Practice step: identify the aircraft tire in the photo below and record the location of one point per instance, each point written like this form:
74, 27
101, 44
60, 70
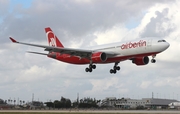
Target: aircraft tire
94, 66
153, 60
111, 71
87, 69
114, 71
118, 68
90, 69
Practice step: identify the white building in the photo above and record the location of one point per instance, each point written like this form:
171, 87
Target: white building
134, 103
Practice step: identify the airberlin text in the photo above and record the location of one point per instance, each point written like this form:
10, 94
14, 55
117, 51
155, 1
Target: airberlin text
128, 45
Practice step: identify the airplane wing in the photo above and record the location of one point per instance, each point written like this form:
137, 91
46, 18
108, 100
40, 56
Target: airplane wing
74, 52
37, 53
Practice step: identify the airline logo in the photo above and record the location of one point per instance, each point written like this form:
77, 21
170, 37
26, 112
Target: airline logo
52, 42
128, 45
51, 39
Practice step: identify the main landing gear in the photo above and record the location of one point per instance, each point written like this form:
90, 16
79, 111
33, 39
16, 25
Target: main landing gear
90, 68
153, 60
115, 68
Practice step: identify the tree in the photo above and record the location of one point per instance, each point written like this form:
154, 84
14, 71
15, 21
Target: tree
49, 104
66, 103
20, 102
63, 103
9, 101
14, 102
88, 103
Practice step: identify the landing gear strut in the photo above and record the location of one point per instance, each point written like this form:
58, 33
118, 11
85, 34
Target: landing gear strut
90, 68
153, 60
115, 68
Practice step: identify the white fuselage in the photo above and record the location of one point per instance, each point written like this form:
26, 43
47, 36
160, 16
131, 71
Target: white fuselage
135, 47
120, 51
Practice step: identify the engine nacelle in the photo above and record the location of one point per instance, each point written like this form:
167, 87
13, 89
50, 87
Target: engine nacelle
98, 57
141, 60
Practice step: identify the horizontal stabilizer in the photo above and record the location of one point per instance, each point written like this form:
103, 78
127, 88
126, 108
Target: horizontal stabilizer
37, 53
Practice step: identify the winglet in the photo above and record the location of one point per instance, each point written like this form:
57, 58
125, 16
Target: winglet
13, 40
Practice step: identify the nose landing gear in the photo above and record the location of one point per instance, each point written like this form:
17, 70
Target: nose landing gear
153, 60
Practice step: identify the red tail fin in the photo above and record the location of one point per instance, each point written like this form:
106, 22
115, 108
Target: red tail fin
52, 39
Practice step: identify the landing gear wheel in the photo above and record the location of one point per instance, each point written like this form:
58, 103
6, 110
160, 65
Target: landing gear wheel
114, 71
94, 66
90, 69
153, 60
117, 68
111, 71
87, 69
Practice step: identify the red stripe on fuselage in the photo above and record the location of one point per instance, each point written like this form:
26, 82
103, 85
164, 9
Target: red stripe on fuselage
77, 60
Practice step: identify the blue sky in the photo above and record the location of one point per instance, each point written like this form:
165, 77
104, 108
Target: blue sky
132, 23
14, 3
25, 3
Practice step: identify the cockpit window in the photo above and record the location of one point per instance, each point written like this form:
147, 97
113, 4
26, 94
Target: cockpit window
161, 40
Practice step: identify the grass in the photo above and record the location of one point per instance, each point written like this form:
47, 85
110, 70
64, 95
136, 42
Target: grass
58, 113
61, 113
88, 112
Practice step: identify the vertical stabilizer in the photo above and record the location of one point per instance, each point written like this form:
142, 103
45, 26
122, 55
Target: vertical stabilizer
52, 39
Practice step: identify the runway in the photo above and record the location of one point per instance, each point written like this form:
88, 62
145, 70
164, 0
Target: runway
98, 111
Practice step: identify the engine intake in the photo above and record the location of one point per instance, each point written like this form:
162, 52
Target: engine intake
98, 57
141, 60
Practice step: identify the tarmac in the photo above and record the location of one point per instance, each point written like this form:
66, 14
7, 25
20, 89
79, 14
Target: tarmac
101, 111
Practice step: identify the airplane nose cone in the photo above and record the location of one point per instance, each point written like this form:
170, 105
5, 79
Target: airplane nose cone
167, 45
162, 46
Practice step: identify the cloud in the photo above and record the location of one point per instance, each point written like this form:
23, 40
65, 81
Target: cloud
108, 86
4, 4
87, 23
116, 33
145, 84
159, 26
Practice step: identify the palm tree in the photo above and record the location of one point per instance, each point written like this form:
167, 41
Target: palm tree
20, 102
9, 101
14, 102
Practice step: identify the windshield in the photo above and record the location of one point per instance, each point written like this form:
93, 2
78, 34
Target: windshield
161, 40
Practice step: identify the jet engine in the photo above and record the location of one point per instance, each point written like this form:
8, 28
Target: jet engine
140, 60
98, 57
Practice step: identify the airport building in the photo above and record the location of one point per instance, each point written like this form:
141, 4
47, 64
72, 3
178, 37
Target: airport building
34, 105
128, 103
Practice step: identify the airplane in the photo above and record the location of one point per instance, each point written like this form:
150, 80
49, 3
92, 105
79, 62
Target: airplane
174, 105
136, 50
